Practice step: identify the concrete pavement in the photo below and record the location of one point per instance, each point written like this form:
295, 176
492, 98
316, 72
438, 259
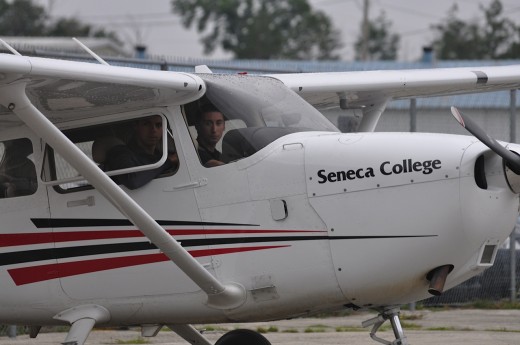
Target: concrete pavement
454, 327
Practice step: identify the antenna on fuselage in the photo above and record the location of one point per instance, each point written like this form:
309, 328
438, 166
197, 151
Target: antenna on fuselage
11, 49
90, 52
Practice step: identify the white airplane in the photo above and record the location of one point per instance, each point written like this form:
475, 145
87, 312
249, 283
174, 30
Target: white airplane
301, 219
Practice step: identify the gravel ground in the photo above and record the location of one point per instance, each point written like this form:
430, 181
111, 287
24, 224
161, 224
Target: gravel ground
454, 327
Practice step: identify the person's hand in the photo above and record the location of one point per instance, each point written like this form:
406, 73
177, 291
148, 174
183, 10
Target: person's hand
174, 159
213, 163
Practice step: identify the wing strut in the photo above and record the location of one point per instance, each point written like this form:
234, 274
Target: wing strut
371, 115
220, 296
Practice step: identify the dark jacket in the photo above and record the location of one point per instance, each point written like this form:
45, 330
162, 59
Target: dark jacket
206, 155
123, 156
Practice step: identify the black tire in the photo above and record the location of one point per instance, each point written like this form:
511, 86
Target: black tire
242, 337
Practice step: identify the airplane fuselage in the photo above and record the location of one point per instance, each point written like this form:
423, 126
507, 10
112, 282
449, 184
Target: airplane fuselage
355, 220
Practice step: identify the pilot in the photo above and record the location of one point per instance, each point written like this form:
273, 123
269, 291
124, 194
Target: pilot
210, 126
144, 148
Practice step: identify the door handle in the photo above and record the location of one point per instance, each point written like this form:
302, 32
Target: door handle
88, 201
192, 184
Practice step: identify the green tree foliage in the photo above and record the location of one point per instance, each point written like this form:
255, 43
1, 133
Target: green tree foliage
68, 27
495, 37
23, 18
71, 27
381, 44
261, 29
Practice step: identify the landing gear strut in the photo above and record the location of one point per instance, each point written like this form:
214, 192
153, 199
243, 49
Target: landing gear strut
391, 314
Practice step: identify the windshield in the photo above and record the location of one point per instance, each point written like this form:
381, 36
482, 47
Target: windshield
257, 111
263, 102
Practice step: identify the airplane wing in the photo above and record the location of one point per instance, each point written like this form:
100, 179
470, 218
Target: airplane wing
372, 90
363, 87
67, 90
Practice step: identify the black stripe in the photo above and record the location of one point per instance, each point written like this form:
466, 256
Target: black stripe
377, 237
80, 223
71, 252
482, 77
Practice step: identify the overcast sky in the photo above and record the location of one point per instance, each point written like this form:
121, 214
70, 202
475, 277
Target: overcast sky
151, 22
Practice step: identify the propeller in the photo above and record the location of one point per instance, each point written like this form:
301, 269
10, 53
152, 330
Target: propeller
511, 159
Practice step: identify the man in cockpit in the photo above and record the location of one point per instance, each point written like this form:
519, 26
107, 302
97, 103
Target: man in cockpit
210, 126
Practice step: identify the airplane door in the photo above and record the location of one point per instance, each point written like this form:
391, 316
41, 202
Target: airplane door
26, 246
98, 244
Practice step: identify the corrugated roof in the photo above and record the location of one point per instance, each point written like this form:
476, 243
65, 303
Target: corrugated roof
289, 66
101, 45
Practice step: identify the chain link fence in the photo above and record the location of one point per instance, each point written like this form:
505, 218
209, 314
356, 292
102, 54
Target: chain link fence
494, 284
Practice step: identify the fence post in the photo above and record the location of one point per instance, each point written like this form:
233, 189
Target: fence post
512, 238
413, 115
11, 331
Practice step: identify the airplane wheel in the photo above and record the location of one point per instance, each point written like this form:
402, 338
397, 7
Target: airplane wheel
242, 337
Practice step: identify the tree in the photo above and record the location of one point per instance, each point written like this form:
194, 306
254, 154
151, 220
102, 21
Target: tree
261, 29
497, 37
68, 27
513, 52
381, 45
71, 27
23, 18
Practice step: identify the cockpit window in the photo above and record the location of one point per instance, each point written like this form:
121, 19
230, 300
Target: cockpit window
265, 108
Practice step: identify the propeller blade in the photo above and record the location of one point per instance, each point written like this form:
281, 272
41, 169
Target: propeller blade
512, 159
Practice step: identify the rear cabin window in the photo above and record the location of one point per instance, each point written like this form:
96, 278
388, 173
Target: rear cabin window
116, 149
17, 169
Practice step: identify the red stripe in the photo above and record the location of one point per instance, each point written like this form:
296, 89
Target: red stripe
34, 274
23, 239
8, 240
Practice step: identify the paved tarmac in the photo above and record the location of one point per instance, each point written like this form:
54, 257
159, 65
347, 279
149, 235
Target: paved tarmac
454, 327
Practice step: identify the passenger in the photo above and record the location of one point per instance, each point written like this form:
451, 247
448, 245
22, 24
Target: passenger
144, 148
210, 126
17, 171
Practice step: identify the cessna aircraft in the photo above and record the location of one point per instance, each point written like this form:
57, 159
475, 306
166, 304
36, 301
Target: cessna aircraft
298, 219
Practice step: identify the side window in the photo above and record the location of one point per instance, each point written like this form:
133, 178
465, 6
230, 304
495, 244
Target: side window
132, 152
17, 170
